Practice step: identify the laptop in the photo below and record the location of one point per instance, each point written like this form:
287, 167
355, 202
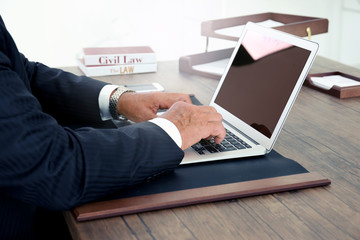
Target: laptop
256, 92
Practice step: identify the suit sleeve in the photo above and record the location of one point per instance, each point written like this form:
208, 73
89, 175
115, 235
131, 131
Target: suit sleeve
65, 96
51, 166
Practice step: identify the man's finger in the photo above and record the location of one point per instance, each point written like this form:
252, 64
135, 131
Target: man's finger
217, 131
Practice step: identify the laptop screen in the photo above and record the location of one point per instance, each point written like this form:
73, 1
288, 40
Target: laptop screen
260, 80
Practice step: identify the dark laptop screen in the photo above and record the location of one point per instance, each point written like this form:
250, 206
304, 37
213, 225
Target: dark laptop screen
260, 80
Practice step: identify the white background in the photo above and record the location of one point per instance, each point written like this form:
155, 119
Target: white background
54, 32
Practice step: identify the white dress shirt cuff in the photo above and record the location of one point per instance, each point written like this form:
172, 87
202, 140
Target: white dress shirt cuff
169, 128
104, 97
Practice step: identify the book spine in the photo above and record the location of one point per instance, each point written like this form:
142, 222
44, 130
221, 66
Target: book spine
117, 69
109, 59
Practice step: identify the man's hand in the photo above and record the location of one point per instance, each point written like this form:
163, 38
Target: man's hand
195, 123
139, 107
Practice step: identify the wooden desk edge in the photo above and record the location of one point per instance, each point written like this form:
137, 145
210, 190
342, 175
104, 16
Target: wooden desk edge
158, 201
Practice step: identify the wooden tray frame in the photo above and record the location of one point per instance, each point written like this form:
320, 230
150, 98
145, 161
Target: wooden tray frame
166, 200
298, 25
339, 92
186, 63
301, 26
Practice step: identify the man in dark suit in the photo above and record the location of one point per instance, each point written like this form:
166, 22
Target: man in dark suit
46, 165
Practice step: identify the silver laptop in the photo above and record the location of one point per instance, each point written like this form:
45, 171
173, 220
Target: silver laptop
256, 92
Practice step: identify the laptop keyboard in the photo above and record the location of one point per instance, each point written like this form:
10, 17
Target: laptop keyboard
230, 143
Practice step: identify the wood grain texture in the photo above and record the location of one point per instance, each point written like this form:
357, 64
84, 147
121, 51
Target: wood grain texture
158, 201
322, 133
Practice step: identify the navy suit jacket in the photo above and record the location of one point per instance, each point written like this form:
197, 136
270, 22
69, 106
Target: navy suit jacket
44, 164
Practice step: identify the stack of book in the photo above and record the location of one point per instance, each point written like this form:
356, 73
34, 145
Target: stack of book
102, 61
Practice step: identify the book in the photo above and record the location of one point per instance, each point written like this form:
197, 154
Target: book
115, 69
118, 55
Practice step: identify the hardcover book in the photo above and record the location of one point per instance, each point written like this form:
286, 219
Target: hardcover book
118, 55
115, 69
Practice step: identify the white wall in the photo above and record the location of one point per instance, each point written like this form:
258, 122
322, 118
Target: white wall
53, 32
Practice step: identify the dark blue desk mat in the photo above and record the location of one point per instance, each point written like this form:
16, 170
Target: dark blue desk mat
216, 173
211, 173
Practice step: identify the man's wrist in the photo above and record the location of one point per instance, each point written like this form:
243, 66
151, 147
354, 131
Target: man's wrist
169, 128
114, 101
104, 101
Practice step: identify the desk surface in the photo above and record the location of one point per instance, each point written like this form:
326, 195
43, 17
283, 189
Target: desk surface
322, 133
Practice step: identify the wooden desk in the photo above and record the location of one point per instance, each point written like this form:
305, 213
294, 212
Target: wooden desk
322, 133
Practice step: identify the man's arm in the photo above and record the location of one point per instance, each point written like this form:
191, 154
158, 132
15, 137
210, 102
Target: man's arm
47, 165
